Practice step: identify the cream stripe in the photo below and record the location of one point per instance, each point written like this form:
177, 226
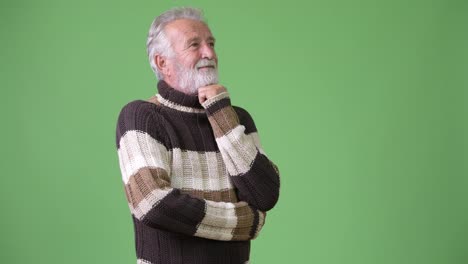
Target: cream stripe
215, 233
190, 169
177, 168
204, 170
201, 171
211, 183
214, 99
220, 214
179, 107
238, 150
138, 150
256, 140
219, 221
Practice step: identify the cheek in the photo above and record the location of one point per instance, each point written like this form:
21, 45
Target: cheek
171, 67
189, 59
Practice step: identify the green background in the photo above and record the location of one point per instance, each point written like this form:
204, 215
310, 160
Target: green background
361, 104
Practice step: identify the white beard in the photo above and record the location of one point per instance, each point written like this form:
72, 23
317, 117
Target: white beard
189, 80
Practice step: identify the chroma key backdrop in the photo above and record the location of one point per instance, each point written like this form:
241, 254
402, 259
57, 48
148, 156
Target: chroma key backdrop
363, 105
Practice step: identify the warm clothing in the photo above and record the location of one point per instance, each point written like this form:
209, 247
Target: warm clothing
196, 178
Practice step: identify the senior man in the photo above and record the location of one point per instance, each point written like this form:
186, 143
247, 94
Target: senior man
196, 178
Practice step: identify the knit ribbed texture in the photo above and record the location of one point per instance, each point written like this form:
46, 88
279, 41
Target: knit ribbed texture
196, 178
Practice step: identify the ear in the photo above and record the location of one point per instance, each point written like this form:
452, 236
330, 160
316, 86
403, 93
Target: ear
161, 64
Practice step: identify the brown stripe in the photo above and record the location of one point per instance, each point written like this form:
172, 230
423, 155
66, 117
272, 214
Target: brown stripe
144, 182
228, 195
245, 219
223, 121
241, 234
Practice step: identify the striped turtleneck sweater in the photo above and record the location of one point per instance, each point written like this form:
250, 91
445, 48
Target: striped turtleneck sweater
196, 178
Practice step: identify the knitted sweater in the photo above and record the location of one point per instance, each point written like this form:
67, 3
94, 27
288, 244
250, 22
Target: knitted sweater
196, 178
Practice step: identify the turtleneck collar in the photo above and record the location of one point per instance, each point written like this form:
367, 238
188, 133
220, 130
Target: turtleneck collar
178, 100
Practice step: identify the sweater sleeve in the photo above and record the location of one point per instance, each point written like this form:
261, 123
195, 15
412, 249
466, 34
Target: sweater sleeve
255, 176
144, 164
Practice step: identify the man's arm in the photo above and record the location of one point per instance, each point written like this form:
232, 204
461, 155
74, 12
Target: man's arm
144, 164
255, 176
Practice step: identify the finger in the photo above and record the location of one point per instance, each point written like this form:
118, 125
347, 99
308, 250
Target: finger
201, 97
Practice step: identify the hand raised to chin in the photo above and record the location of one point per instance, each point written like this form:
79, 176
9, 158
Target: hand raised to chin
206, 92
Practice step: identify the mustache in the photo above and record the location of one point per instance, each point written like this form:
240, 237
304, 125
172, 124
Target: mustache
206, 62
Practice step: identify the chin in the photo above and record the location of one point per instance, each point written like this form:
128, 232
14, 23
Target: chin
191, 91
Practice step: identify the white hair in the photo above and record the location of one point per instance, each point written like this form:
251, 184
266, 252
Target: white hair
157, 42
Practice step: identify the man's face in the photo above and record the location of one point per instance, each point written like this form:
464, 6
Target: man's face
195, 62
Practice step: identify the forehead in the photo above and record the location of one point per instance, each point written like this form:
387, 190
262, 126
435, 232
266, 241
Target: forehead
184, 29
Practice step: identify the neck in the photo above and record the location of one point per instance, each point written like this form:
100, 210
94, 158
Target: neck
170, 97
175, 85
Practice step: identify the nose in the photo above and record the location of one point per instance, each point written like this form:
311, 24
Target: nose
208, 51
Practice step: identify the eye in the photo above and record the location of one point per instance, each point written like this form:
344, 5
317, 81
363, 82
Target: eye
194, 44
212, 44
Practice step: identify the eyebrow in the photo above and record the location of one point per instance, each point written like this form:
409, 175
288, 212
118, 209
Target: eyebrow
211, 38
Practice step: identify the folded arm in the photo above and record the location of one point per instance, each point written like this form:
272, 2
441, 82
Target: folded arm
255, 176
